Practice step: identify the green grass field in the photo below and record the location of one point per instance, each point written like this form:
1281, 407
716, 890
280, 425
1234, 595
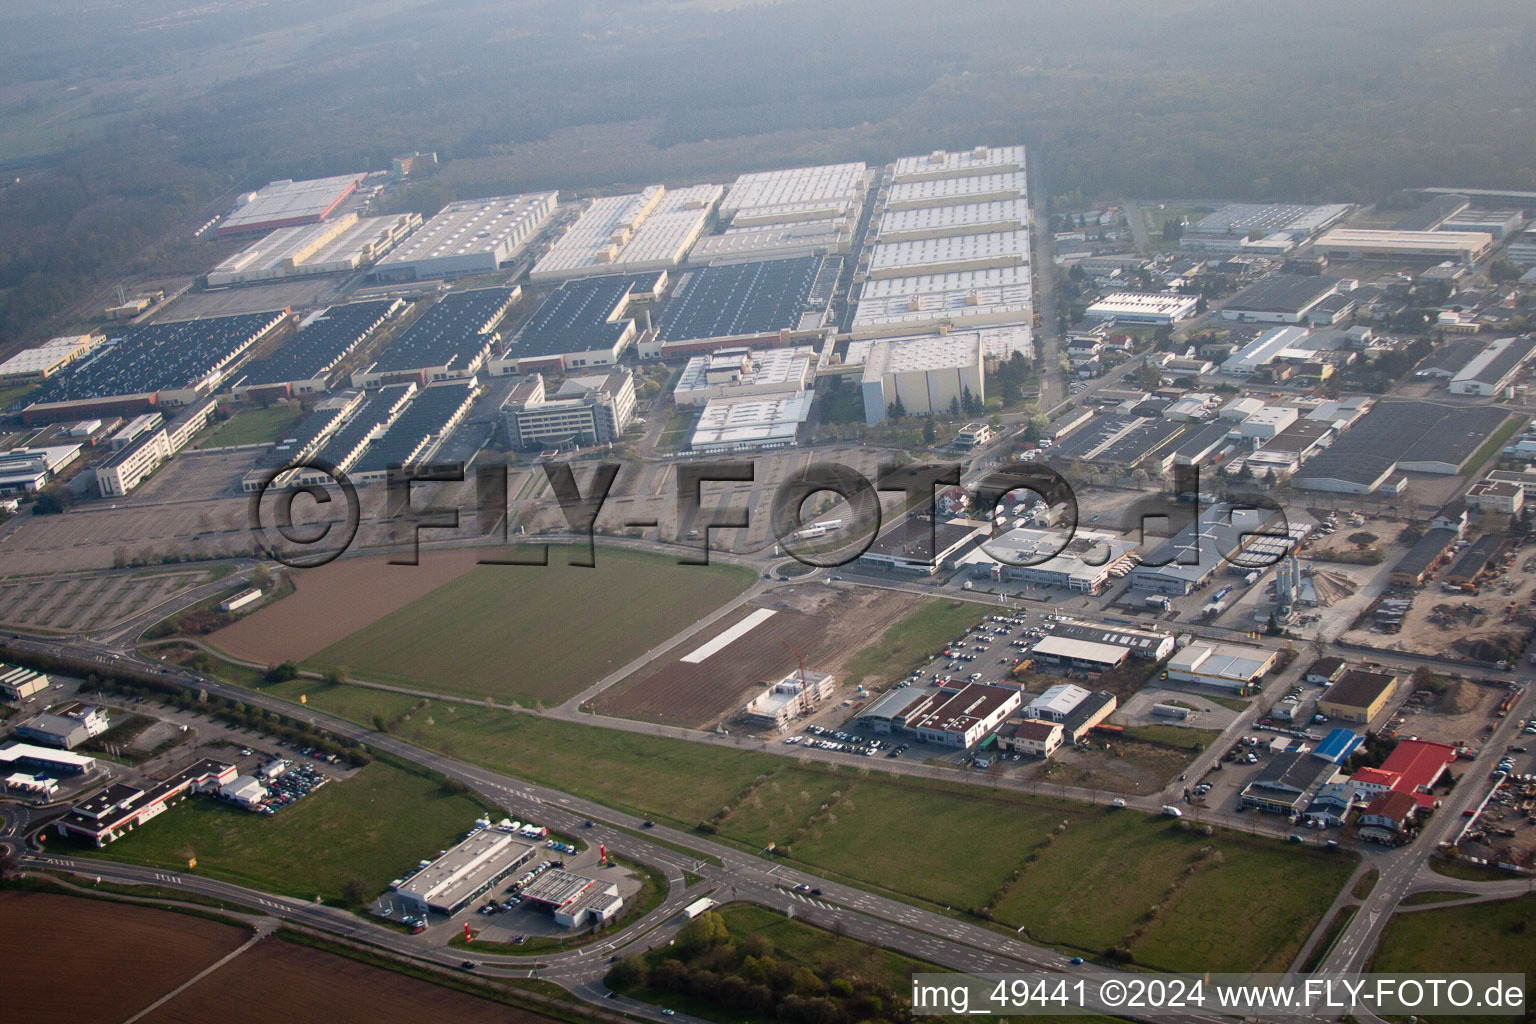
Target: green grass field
252, 426
913, 640
1497, 937
535, 635
370, 828
1176, 898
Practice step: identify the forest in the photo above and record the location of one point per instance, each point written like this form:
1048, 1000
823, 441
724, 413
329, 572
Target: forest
123, 127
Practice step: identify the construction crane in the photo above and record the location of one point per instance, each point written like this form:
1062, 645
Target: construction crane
805, 690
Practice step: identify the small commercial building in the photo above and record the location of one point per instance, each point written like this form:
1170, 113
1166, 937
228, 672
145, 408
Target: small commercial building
1158, 308
748, 423
1230, 666
18, 684
120, 808
1056, 703
960, 718
1031, 738
1080, 654
48, 759
1288, 782
66, 727
573, 900
1497, 496
1090, 712
464, 873
243, 791
1326, 671
920, 545
1359, 696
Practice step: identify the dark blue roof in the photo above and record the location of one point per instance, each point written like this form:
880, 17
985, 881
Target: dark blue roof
739, 299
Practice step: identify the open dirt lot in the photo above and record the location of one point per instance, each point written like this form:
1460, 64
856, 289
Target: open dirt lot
1439, 621
277, 981
816, 621
130, 955
336, 600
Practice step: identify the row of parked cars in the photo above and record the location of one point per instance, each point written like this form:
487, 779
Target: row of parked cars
291, 787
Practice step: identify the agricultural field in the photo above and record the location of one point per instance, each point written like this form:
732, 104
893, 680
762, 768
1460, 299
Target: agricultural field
1221, 902
73, 603
346, 838
813, 620
524, 633
243, 992
134, 955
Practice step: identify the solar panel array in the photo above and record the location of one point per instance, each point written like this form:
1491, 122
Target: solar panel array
449, 333
740, 299
159, 357
321, 344
574, 317
426, 416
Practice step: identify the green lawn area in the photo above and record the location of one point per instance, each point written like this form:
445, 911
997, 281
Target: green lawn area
1495, 444
913, 640
1227, 902
9, 396
536, 635
1452, 868
1173, 735
370, 828
1494, 937
253, 426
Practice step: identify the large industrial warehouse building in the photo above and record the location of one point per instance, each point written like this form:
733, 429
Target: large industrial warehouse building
1405, 246
926, 374
339, 245
801, 211
286, 204
762, 304
473, 236
630, 234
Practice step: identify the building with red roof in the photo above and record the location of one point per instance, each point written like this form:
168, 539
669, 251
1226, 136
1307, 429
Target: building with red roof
1413, 767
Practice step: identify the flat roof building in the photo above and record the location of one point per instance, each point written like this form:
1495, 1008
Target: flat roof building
472, 236
1143, 307
1082, 654
962, 718
799, 211
929, 373
573, 899
1226, 665
120, 808
762, 303
586, 411
1085, 565
1405, 246
582, 323
1359, 696
1279, 299
649, 230
32, 365
283, 204
736, 423
736, 372
1397, 437
920, 545
464, 873
336, 246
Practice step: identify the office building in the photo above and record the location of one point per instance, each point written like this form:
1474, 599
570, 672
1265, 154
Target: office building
585, 411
